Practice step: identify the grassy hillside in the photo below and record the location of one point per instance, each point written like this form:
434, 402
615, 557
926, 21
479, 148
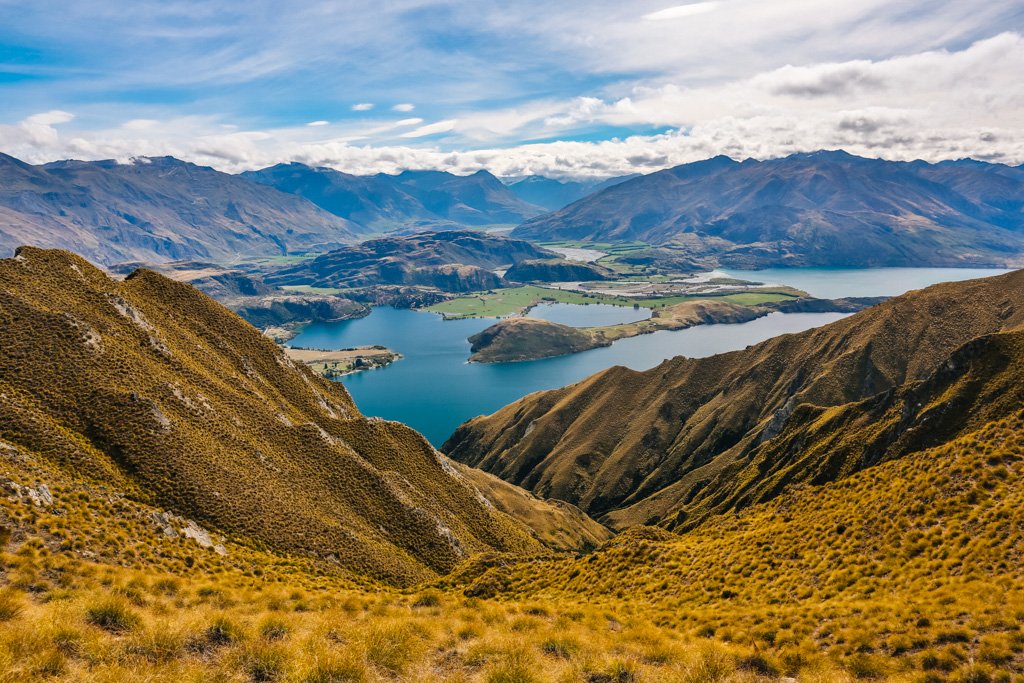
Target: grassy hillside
692, 437
154, 390
909, 570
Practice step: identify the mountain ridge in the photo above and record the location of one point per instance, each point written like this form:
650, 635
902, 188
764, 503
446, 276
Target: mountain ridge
410, 199
696, 427
163, 395
155, 209
816, 209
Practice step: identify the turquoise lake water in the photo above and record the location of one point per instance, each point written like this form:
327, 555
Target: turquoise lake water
835, 283
433, 389
588, 315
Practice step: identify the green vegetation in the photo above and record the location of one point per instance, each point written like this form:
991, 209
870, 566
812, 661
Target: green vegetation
503, 302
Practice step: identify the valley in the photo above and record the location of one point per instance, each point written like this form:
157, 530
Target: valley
523, 342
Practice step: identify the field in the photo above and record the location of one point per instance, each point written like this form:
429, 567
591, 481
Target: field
504, 302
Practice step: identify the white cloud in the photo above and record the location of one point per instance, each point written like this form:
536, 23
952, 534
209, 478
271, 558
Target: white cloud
934, 104
315, 124
680, 11
404, 106
54, 117
431, 129
362, 106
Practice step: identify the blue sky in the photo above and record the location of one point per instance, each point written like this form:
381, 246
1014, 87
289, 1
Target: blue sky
569, 89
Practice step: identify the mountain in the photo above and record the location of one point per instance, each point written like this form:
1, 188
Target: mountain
818, 209
154, 210
557, 270
454, 261
554, 194
879, 576
154, 392
177, 500
410, 199
692, 438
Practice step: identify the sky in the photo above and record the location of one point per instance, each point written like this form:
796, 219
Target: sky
565, 89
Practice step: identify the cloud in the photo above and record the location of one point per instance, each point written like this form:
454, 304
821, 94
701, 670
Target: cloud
54, 117
431, 129
932, 104
362, 106
404, 106
680, 11
314, 124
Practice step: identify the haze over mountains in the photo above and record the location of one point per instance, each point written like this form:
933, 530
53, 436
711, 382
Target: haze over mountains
818, 209
409, 200
553, 194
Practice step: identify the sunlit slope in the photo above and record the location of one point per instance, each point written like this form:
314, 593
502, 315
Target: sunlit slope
153, 389
693, 437
910, 566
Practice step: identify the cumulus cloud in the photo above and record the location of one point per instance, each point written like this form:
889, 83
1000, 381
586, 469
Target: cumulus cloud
362, 106
404, 106
314, 124
934, 104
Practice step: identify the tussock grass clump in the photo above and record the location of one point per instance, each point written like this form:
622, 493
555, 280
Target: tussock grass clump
111, 614
392, 645
11, 605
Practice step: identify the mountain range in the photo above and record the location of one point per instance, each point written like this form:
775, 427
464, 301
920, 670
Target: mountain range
693, 438
156, 209
553, 194
408, 200
817, 209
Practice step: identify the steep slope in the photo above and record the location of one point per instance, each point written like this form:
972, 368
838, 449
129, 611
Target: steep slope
246, 293
389, 202
693, 437
151, 389
154, 210
905, 571
824, 208
452, 260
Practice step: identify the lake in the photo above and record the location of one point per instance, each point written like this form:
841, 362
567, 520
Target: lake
836, 283
433, 389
